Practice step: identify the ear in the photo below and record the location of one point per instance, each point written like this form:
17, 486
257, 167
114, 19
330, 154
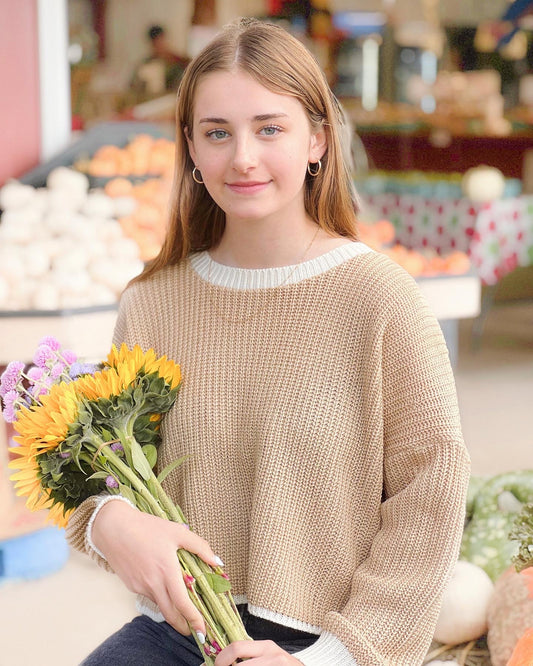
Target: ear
318, 145
190, 144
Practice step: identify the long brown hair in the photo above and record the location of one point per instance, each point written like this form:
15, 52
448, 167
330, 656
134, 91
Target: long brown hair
283, 65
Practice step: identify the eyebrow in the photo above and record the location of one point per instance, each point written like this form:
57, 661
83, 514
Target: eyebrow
260, 118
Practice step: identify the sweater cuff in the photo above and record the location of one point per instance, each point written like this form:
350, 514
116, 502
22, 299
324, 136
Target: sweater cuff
326, 651
89, 531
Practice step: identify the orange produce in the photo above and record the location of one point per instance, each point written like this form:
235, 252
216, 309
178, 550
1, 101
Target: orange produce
143, 155
523, 651
147, 224
380, 236
457, 263
118, 187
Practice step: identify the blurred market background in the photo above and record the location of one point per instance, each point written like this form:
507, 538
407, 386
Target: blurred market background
438, 97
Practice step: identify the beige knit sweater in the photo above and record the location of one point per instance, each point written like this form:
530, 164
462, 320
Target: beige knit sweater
328, 469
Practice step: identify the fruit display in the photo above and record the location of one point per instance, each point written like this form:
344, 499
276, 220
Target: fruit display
146, 223
437, 185
380, 236
61, 246
486, 617
144, 155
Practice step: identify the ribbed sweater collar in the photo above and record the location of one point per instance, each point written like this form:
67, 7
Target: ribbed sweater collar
261, 278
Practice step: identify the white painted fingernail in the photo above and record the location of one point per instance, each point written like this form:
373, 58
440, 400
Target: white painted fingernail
201, 637
219, 562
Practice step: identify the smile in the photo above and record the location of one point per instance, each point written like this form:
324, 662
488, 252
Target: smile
252, 187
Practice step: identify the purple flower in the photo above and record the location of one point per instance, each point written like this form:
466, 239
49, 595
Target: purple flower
35, 373
64, 454
10, 376
10, 398
41, 388
69, 356
57, 370
9, 414
42, 355
117, 446
111, 482
77, 369
51, 342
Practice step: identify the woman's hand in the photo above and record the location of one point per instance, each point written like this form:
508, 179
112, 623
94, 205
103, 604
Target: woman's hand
257, 653
141, 549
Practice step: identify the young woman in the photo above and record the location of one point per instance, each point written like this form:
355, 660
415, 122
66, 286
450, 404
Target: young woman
327, 465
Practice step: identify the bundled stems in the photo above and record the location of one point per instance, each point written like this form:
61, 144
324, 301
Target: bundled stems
216, 608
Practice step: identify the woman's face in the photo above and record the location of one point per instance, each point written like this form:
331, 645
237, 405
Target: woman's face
252, 147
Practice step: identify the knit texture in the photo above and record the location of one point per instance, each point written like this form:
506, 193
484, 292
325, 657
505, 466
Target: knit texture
327, 466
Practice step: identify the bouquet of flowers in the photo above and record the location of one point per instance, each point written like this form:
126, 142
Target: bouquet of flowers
88, 429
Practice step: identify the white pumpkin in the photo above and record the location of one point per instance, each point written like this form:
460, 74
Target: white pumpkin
66, 200
98, 204
36, 260
12, 267
463, 614
124, 206
16, 195
63, 178
46, 297
483, 184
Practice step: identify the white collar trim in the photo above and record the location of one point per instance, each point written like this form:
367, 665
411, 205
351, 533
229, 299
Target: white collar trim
263, 278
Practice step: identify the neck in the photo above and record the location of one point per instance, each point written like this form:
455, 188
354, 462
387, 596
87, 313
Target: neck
264, 244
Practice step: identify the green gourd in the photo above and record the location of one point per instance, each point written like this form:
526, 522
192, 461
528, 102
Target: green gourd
492, 509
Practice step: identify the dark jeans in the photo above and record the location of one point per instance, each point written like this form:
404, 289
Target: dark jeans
143, 642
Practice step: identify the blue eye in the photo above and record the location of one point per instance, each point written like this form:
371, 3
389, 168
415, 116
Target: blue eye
217, 134
271, 130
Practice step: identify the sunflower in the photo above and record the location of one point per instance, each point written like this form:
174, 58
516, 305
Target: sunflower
43, 428
135, 361
28, 482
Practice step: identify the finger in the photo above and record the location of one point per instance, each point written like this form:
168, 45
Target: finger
171, 614
195, 544
179, 597
245, 650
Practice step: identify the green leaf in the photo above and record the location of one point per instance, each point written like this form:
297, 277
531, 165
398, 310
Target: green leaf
218, 583
139, 461
170, 468
128, 493
150, 453
99, 475
142, 504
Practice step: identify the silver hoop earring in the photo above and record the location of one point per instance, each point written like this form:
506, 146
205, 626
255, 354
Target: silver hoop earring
314, 172
195, 173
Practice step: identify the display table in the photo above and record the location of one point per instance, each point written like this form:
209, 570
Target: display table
497, 236
451, 298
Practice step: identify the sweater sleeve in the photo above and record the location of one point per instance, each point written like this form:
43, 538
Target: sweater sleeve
397, 590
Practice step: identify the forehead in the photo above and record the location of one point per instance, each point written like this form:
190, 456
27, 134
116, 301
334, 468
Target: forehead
237, 93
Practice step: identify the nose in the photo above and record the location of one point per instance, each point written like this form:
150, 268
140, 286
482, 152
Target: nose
244, 154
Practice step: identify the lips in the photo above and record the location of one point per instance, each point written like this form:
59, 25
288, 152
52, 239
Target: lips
248, 187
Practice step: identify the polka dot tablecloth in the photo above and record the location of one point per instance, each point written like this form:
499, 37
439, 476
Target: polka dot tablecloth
497, 236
